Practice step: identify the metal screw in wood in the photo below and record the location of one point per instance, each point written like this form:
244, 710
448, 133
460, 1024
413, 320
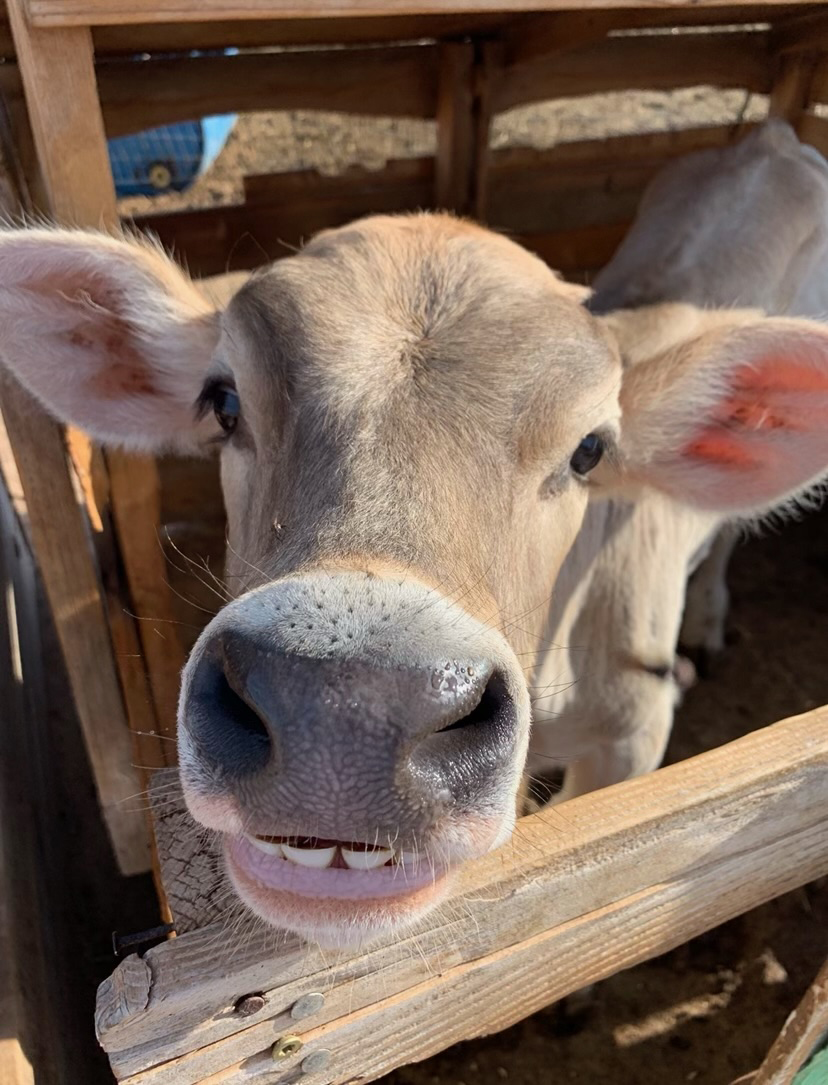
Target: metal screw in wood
250, 1004
285, 1046
316, 1061
307, 1005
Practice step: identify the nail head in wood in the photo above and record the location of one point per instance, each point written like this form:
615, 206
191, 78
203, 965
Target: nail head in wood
316, 1061
307, 1005
285, 1046
249, 1004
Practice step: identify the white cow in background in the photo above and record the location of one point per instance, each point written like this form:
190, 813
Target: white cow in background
741, 228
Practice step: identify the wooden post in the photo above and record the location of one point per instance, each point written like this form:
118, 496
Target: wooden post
59, 532
463, 120
57, 72
791, 91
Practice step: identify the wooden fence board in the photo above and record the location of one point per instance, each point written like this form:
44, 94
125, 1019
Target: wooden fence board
653, 861
113, 12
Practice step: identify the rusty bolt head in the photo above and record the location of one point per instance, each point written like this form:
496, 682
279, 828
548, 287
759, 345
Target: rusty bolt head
306, 1005
250, 1004
285, 1046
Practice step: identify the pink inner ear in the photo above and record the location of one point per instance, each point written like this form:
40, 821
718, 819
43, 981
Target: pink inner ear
780, 374
780, 398
722, 448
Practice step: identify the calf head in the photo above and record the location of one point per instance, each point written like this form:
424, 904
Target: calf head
408, 412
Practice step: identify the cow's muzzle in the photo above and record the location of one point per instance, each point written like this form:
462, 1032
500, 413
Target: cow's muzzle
354, 737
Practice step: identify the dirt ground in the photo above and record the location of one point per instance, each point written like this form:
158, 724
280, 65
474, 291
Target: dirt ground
707, 1012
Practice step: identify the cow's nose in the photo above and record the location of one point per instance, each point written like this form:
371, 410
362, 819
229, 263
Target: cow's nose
379, 707
254, 708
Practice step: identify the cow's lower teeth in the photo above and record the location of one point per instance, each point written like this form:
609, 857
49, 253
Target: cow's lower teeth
367, 860
318, 858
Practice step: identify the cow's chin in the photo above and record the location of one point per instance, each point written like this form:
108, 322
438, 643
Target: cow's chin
342, 908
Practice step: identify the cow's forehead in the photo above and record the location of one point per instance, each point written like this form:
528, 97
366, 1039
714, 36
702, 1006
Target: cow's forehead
394, 298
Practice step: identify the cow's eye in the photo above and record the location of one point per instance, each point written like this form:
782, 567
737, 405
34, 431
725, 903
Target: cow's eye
226, 406
588, 454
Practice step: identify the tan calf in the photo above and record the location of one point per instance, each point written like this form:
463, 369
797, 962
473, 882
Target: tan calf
408, 413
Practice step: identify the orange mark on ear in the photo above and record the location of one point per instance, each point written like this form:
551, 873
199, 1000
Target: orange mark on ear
744, 414
722, 448
780, 374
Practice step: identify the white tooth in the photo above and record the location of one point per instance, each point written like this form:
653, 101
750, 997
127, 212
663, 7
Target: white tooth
267, 846
313, 857
367, 860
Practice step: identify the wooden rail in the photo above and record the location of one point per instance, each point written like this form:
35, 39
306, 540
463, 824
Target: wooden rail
585, 889
62, 13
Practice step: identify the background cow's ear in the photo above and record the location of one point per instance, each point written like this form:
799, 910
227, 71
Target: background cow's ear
108, 333
734, 420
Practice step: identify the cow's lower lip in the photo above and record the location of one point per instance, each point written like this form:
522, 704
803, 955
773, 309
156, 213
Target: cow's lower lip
274, 874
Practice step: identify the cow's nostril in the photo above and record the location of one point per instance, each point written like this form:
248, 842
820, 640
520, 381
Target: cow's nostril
230, 733
487, 710
244, 717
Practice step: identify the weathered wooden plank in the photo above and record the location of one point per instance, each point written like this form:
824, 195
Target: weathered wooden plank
181, 37
403, 81
58, 526
21, 959
57, 70
454, 179
639, 62
394, 82
543, 35
814, 130
659, 859
804, 33
35, 1041
792, 87
113, 12
595, 183
800, 1035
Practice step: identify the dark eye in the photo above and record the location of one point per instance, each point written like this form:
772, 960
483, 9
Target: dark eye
588, 454
226, 406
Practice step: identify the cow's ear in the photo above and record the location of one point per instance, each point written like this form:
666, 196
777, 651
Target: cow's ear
108, 333
735, 419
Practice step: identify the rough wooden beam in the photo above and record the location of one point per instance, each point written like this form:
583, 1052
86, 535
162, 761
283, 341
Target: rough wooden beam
801, 33
542, 36
57, 70
595, 183
403, 81
646, 62
804, 1031
814, 130
118, 12
394, 82
23, 976
792, 87
586, 889
454, 171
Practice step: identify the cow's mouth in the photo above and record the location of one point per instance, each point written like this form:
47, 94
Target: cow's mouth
325, 898
333, 869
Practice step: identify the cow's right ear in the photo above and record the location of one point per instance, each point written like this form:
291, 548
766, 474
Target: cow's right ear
108, 333
733, 420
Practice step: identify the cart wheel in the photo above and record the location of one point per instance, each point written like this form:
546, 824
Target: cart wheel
160, 176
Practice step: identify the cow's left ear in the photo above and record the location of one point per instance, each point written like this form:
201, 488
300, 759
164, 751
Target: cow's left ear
734, 420
107, 332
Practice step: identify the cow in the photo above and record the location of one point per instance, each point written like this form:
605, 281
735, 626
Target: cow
410, 413
718, 230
